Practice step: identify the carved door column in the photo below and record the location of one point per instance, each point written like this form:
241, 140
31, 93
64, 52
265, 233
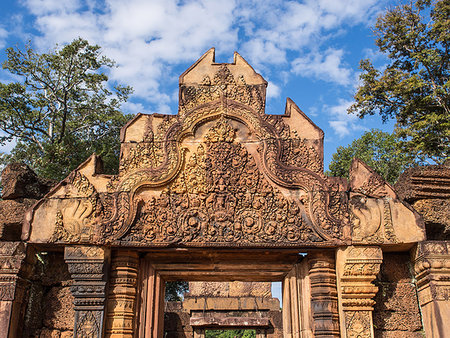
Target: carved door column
121, 309
432, 268
87, 266
322, 275
357, 267
151, 313
13, 283
297, 319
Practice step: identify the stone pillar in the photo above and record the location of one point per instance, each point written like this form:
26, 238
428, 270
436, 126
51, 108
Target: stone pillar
151, 314
432, 269
13, 284
121, 309
297, 319
322, 275
357, 267
87, 266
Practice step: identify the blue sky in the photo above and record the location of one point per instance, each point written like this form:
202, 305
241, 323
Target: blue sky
307, 50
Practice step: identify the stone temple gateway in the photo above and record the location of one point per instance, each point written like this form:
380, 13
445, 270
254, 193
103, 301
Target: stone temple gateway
223, 191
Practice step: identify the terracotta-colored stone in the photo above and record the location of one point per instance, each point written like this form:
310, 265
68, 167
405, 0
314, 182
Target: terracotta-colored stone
225, 192
396, 267
58, 310
424, 182
49, 333
19, 181
12, 214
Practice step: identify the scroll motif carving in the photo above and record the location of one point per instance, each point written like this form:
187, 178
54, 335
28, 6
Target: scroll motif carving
220, 198
74, 222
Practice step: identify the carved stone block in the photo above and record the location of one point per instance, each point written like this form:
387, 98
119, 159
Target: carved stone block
87, 266
432, 269
358, 267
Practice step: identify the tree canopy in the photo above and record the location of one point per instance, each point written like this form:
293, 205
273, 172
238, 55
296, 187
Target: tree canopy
61, 109
379, 150
414, 86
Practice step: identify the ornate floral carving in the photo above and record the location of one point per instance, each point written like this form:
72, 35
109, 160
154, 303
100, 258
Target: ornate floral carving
223, 85
358, 324
88, 325
221, 198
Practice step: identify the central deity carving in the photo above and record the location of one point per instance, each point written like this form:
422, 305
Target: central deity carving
221, 197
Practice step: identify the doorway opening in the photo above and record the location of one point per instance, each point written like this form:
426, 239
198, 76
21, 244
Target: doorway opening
231, 333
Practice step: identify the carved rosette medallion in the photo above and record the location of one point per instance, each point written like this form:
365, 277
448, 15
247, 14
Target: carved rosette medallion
87, 267
359, 266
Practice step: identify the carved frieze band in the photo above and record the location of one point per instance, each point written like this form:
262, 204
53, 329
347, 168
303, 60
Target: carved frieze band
358, 269
324, 300
432, 269
121, 315
87, 266
12, 255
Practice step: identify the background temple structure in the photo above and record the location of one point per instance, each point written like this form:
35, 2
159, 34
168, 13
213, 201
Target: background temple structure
223, 192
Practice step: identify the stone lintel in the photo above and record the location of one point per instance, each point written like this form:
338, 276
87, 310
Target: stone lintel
230, 303
247, 322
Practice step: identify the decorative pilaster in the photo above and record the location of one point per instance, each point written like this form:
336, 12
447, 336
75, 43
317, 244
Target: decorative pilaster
432, 269
152, 288
358, 267
87, 266
13, 269
324, 299
121, 307
297, 319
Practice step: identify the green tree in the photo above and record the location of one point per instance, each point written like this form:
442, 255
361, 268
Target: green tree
414, 86
61, 110
380, 150
174, 290
241, 333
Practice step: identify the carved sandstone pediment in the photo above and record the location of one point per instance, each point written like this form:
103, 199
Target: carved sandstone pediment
220, 173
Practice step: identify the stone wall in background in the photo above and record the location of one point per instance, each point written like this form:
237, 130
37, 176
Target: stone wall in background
48, 302
427, 189
224, 302
49, 311
396, 313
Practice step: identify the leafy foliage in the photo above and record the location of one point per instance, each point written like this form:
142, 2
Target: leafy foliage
414, 87
174, 290
61, 110
230, 333
378, 149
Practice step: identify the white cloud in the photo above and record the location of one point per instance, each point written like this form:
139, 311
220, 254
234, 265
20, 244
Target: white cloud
340, 121
148, 38
3, 36
327, 66
272, 90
